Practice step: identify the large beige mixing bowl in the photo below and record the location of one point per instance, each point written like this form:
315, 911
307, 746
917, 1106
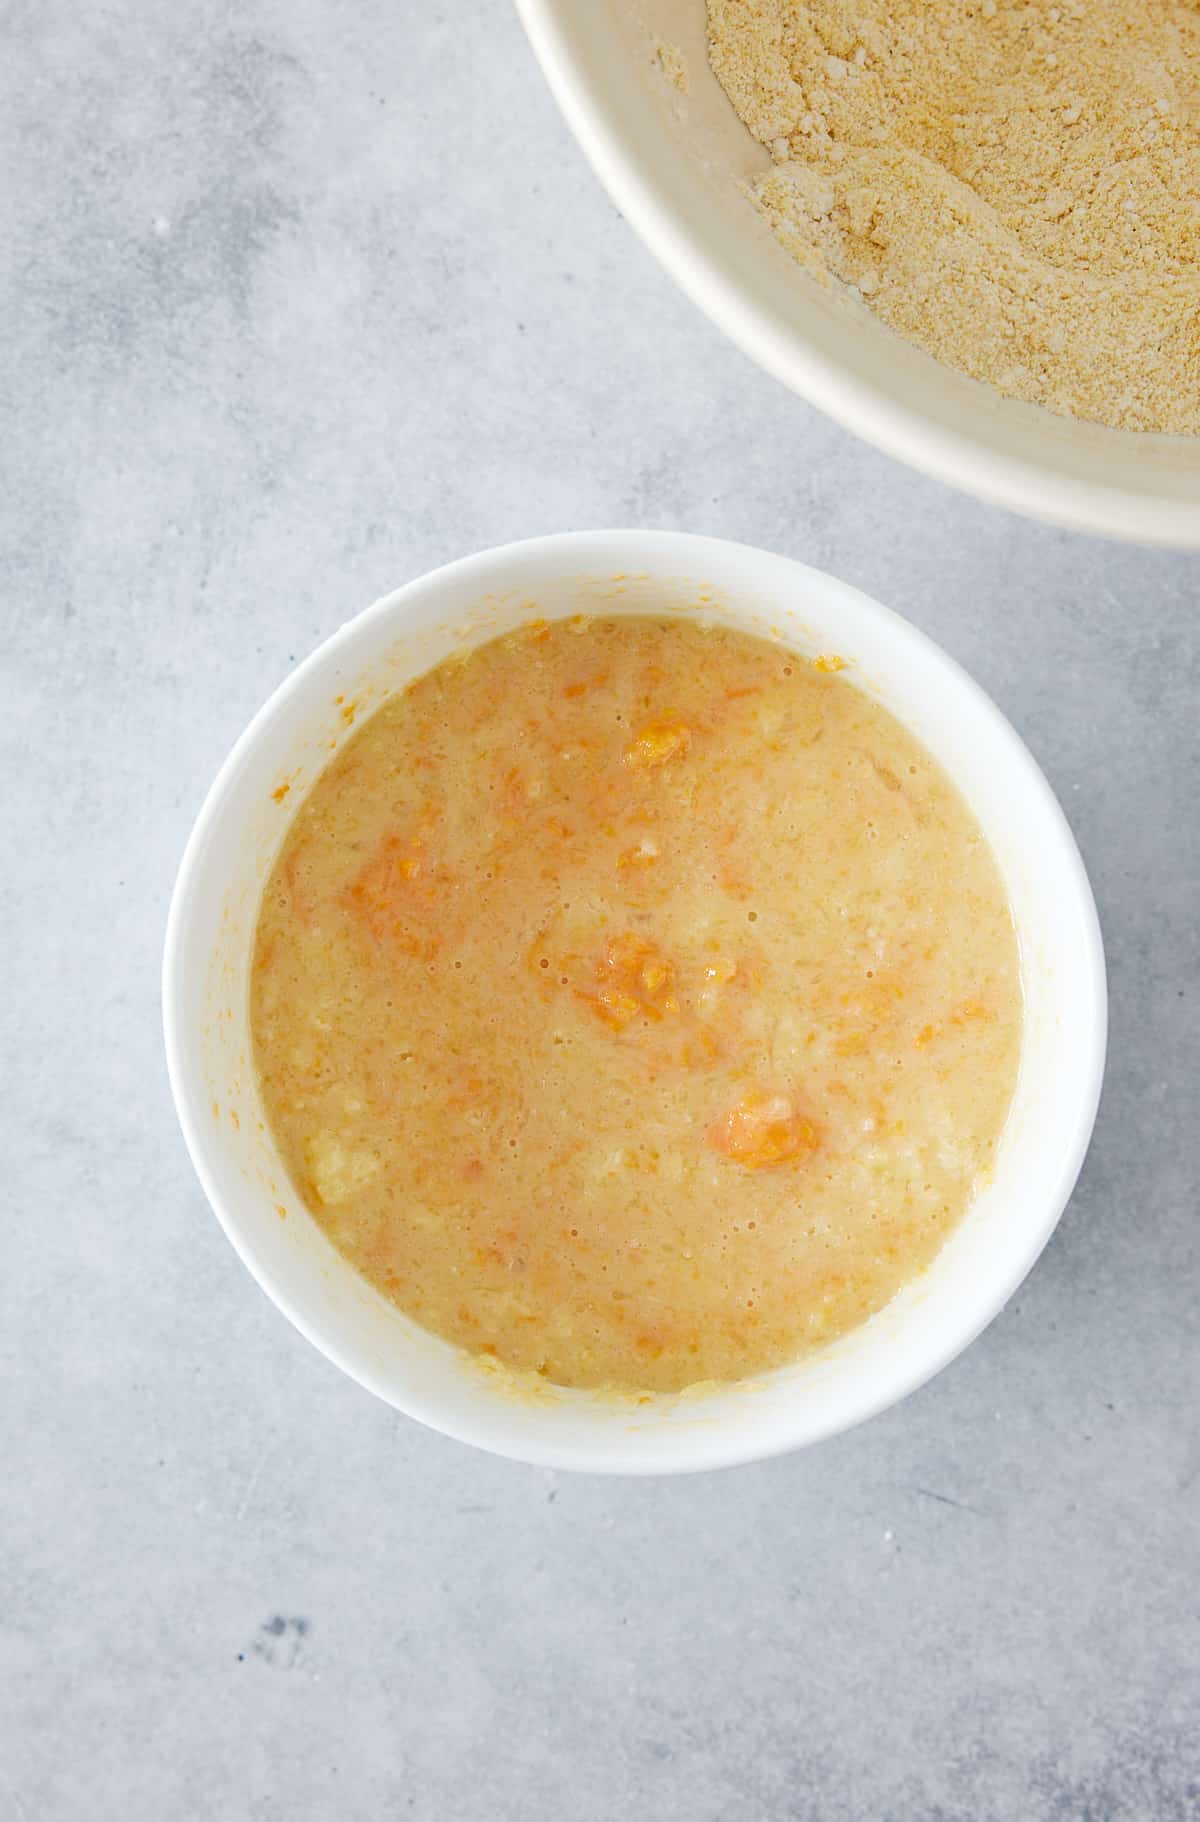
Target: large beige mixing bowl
675, 163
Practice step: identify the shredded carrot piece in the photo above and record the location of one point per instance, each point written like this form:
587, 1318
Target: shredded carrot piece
762, 1130
633, 979
658, 742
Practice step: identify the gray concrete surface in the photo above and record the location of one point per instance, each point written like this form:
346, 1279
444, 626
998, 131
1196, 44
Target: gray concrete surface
300, 299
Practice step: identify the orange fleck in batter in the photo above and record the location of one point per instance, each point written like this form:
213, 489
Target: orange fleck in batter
762, 1130
658, 742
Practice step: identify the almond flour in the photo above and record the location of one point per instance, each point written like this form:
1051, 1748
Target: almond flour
1013, 185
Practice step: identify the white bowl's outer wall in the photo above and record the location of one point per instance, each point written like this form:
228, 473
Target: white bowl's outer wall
675, 164
206, 971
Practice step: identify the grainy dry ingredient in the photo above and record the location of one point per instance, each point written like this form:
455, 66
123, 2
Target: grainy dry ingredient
673, 64
1012, 184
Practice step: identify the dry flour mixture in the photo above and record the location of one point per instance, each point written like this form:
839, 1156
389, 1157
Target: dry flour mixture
1012, 184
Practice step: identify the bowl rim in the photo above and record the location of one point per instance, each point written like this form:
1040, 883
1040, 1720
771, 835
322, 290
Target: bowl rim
722, 1444
962, 461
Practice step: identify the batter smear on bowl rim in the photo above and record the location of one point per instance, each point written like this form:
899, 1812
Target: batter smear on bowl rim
636, 1003
1012, 184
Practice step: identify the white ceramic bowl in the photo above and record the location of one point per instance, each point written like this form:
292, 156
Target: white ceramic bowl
205, 1001
676, 167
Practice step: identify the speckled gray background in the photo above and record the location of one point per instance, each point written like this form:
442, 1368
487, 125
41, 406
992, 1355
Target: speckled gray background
302, 298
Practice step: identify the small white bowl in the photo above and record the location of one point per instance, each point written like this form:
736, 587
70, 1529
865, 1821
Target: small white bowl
205, 1001
677, 165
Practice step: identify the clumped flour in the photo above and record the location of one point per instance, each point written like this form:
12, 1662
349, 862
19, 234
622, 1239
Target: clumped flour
1011, 184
